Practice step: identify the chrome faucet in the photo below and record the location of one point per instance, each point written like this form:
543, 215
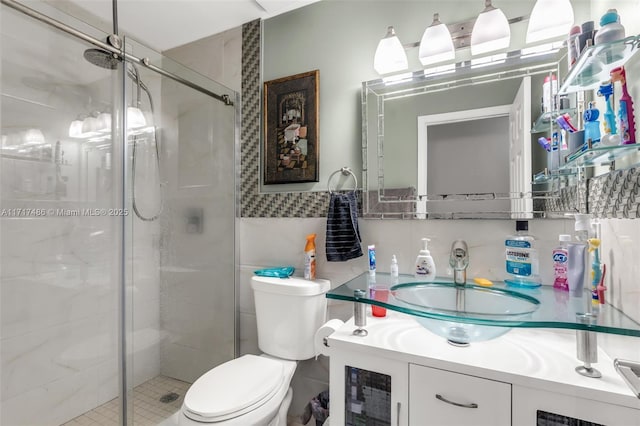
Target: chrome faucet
459, 260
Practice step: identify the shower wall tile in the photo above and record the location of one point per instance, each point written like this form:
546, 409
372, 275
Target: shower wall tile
217, 57
198, 269
176, 361
57, 402
36, 359
248, 334
247, 302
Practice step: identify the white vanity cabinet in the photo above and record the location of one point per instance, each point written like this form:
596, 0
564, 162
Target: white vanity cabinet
443, 398
400, 374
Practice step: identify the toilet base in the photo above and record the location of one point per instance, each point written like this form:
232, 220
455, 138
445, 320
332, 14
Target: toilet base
281, 417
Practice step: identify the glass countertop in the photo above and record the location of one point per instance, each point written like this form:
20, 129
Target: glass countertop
556, 309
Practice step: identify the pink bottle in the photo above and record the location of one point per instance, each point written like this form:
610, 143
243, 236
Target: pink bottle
626, 119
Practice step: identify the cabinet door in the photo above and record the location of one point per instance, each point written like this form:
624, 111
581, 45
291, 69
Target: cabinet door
441, 398
368, 390
532, 407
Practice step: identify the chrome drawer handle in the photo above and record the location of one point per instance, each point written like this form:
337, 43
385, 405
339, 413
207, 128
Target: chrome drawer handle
457, 404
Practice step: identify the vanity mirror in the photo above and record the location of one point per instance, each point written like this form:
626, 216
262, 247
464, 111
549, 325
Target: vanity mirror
457, 142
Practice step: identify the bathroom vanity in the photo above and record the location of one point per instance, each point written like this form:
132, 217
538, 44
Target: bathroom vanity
399, 373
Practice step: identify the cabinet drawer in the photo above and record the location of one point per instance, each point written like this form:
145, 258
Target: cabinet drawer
529, 404
439, 397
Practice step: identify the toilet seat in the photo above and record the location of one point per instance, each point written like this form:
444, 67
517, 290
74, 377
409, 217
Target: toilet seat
220, 395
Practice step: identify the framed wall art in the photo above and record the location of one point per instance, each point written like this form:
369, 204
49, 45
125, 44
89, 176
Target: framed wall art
291, 129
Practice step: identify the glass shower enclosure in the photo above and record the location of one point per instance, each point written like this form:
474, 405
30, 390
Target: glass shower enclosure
117, 226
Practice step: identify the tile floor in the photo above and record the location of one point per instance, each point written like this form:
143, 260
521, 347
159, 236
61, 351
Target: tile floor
148, 410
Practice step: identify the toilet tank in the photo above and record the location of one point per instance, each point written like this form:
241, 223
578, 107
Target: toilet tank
288, 313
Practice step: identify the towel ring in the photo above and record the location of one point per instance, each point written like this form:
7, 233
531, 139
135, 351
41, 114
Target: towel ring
346, 171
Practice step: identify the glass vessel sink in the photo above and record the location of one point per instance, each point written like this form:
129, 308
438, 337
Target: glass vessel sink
480, 303
510, 307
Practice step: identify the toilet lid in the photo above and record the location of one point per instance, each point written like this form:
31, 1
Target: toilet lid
233, 388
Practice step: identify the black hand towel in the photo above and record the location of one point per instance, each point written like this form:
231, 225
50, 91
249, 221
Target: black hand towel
343, 236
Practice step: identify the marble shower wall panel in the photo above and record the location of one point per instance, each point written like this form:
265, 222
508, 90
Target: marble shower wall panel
197, 295
59, 315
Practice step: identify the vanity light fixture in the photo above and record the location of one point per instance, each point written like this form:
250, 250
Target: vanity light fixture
104, 122
98, 124
75, 128
390, 55
33, 137
90, 125
436, 44
135, 118
549, 19
491, 31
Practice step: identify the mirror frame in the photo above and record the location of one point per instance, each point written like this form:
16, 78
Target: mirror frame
404, 204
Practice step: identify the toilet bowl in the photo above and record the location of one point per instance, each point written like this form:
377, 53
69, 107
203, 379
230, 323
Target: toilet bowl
254, 390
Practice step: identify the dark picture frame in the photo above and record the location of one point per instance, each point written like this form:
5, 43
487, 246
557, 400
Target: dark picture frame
291, 146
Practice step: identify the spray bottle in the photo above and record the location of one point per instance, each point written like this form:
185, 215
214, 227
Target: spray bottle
626, 119
310, 258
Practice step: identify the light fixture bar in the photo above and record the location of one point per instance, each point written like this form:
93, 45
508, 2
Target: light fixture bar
461, 32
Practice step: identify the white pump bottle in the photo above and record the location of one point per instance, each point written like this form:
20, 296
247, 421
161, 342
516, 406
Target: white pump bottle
425, 266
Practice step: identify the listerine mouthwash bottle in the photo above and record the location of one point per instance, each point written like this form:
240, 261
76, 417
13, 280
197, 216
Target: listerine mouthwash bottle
522, 257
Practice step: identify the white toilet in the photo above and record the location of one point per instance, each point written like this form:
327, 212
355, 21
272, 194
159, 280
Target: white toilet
254, 390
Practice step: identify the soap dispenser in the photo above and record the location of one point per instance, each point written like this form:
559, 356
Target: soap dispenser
425, 266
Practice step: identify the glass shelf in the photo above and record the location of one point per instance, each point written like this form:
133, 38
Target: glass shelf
595, 63
557, 309
546, 177
598, 156
542, 124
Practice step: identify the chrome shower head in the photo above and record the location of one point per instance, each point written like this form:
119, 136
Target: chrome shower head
102, 58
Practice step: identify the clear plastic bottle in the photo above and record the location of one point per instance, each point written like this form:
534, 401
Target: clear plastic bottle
522, 257
582, 227
561, 263
394, 267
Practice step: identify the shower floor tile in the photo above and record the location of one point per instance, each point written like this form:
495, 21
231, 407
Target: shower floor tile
148, 410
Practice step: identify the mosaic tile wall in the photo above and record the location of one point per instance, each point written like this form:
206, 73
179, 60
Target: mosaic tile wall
614, 195
253, 203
